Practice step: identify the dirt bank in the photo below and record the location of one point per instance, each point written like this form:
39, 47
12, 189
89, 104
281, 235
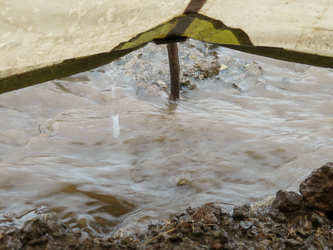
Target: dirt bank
288, 221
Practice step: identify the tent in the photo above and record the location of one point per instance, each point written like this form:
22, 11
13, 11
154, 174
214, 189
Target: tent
43, 40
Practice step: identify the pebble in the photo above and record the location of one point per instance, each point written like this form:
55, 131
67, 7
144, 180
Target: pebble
223, 67
208, 68
245, 225
189, 83
162, 85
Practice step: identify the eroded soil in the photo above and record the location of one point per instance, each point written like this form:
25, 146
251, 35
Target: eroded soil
207, 227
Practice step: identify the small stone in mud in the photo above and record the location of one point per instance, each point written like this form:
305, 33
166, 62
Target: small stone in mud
241, 212
292, 233
317, 220
162, 85
288, 201
197, 231
182, 182
223, 67
236, 87
317, 188
144, 90
10, 231
221, 234
245, 225
208, 68
38, 241
208, 214
188, 83
292, 244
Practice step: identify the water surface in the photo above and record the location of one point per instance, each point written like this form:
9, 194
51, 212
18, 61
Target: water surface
108, 156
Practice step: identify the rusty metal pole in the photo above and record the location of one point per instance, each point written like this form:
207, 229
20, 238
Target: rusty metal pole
174, 71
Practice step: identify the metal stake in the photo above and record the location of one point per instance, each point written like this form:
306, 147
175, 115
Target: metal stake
174, 71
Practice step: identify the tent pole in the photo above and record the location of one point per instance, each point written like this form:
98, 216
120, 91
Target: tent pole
174, 71
173, 63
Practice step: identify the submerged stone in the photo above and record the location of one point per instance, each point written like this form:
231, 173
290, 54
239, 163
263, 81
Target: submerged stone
254, 68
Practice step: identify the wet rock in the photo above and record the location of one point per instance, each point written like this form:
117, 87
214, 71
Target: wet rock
223, 67
222, 235
208, 214
317, 188
287, 201
206, 228
38, 241
152, 227
188, 83
197, 231
258, 224
162, 85
217, 245
145, 91
278, 216
185, 228
241, 212
11, 231
291, 243
34, 229
208, 68
292, 233
245, 225
191, 229
317, 220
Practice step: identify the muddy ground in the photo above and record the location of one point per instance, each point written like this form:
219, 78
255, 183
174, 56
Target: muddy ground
206, 227
289, 221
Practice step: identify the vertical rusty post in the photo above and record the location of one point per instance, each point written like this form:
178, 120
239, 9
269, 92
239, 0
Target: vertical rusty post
174, 70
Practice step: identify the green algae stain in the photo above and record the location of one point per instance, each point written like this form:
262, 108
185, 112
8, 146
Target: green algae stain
199, 28
204, 30
226, 36
159, 32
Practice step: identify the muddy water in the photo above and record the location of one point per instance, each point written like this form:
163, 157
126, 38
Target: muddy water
108, 156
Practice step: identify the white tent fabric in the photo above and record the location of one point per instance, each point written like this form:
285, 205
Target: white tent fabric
304, 26
42, 40
37, 33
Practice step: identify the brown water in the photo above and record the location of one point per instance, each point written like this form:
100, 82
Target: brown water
109, 157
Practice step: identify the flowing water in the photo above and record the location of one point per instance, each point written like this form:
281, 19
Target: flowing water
105, 156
